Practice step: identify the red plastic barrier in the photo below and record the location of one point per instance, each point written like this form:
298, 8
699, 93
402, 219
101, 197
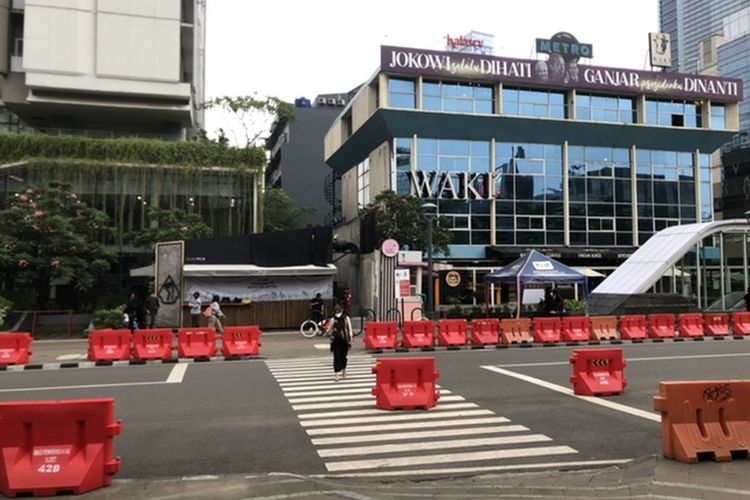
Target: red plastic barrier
547, 330
109, 345
152, 344
240, 341
381, 335
604, 327
485, 331
452, 332
716, 324
405, 383
633, 327
418, 334
598, 372
52, 447
15, 348
196, 343
516, 331
741, 323
661, 326
576, 329
691, 325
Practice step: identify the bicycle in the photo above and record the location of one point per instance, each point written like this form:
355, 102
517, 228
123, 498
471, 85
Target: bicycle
310, 327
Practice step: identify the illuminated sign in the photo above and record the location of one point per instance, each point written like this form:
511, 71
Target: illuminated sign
566, 45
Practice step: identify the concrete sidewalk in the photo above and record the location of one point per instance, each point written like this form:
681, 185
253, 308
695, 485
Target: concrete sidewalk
648, 477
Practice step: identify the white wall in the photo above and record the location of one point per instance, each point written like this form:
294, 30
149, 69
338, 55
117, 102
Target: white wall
116, 46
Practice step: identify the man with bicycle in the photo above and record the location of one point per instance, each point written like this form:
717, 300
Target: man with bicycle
316, 309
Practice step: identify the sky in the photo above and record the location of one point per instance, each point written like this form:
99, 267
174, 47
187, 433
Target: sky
290, 49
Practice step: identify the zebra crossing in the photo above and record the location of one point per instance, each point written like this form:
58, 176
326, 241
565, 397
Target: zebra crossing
355, 439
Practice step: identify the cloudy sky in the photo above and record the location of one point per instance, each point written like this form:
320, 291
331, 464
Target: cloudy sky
289, 49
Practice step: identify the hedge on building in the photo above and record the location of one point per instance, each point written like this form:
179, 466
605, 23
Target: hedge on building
17, 147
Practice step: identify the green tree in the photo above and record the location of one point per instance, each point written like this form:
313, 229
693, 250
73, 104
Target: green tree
280, 212
402, 218
250, 114
170, 225
49, 234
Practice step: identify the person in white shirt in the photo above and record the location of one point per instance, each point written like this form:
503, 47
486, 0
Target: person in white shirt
195, 309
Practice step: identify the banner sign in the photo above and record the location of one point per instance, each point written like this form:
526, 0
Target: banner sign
169, 261
557, 73
260, 288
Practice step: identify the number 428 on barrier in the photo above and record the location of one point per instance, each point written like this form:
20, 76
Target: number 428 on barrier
49, 468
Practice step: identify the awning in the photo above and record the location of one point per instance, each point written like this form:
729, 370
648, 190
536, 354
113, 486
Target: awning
226, 270
143, 272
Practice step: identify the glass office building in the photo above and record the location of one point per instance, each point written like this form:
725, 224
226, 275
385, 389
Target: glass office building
581, 162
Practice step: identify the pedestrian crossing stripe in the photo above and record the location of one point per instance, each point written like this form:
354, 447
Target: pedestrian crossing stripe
355, 438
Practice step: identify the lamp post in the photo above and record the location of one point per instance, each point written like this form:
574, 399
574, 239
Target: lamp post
429, 214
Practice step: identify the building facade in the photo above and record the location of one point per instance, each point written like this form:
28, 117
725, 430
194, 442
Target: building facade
104, 67
582, 162
296, 162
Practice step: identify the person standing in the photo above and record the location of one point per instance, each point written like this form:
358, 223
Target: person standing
316, 308
213, 320
195, 309
747, 300
131, 309
151, 306
215, 307
341, 342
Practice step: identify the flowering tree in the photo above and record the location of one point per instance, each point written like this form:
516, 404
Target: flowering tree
49, 234
170, 225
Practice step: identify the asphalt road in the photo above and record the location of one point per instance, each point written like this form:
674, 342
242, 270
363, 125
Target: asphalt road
501, 410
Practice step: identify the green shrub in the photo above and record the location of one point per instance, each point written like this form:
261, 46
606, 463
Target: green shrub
109, 318
575, 306
5, 307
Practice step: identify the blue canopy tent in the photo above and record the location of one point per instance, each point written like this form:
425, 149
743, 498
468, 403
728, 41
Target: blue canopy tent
534, 267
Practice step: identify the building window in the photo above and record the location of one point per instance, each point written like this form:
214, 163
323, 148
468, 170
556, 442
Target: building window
718, 117
673, 113
363, 183
457, 97
534, 103
403, 165
604, 108
599, 188
402, 93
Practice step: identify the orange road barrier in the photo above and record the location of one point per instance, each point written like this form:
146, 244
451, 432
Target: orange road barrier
405, 383
418, 334
598, 372
704, 419
53, 447
661, 326
381, 335
238, 341
485, 331
452, 332
576, 329
196, 343
547, 330
633, 327
15, 348
109, 345
152, 344
716, 324
691, 325
741, 323
516, 331
604, 327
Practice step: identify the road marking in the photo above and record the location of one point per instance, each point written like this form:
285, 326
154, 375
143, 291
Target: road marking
408, 425
376, 411
309, 360
322, 347
323, 376
177, 373
655, 358
365, 394
324, 379
367, 389
353, 404
394, 417
433, 445
448, 458
654, 417
175, 377
469, 431
320, 372
70, 357
488, 468
343, 383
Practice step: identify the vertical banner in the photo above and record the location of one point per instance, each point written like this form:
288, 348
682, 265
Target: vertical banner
402, 283
170, 256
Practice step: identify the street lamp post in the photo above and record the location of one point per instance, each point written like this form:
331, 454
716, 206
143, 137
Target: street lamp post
429, 213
